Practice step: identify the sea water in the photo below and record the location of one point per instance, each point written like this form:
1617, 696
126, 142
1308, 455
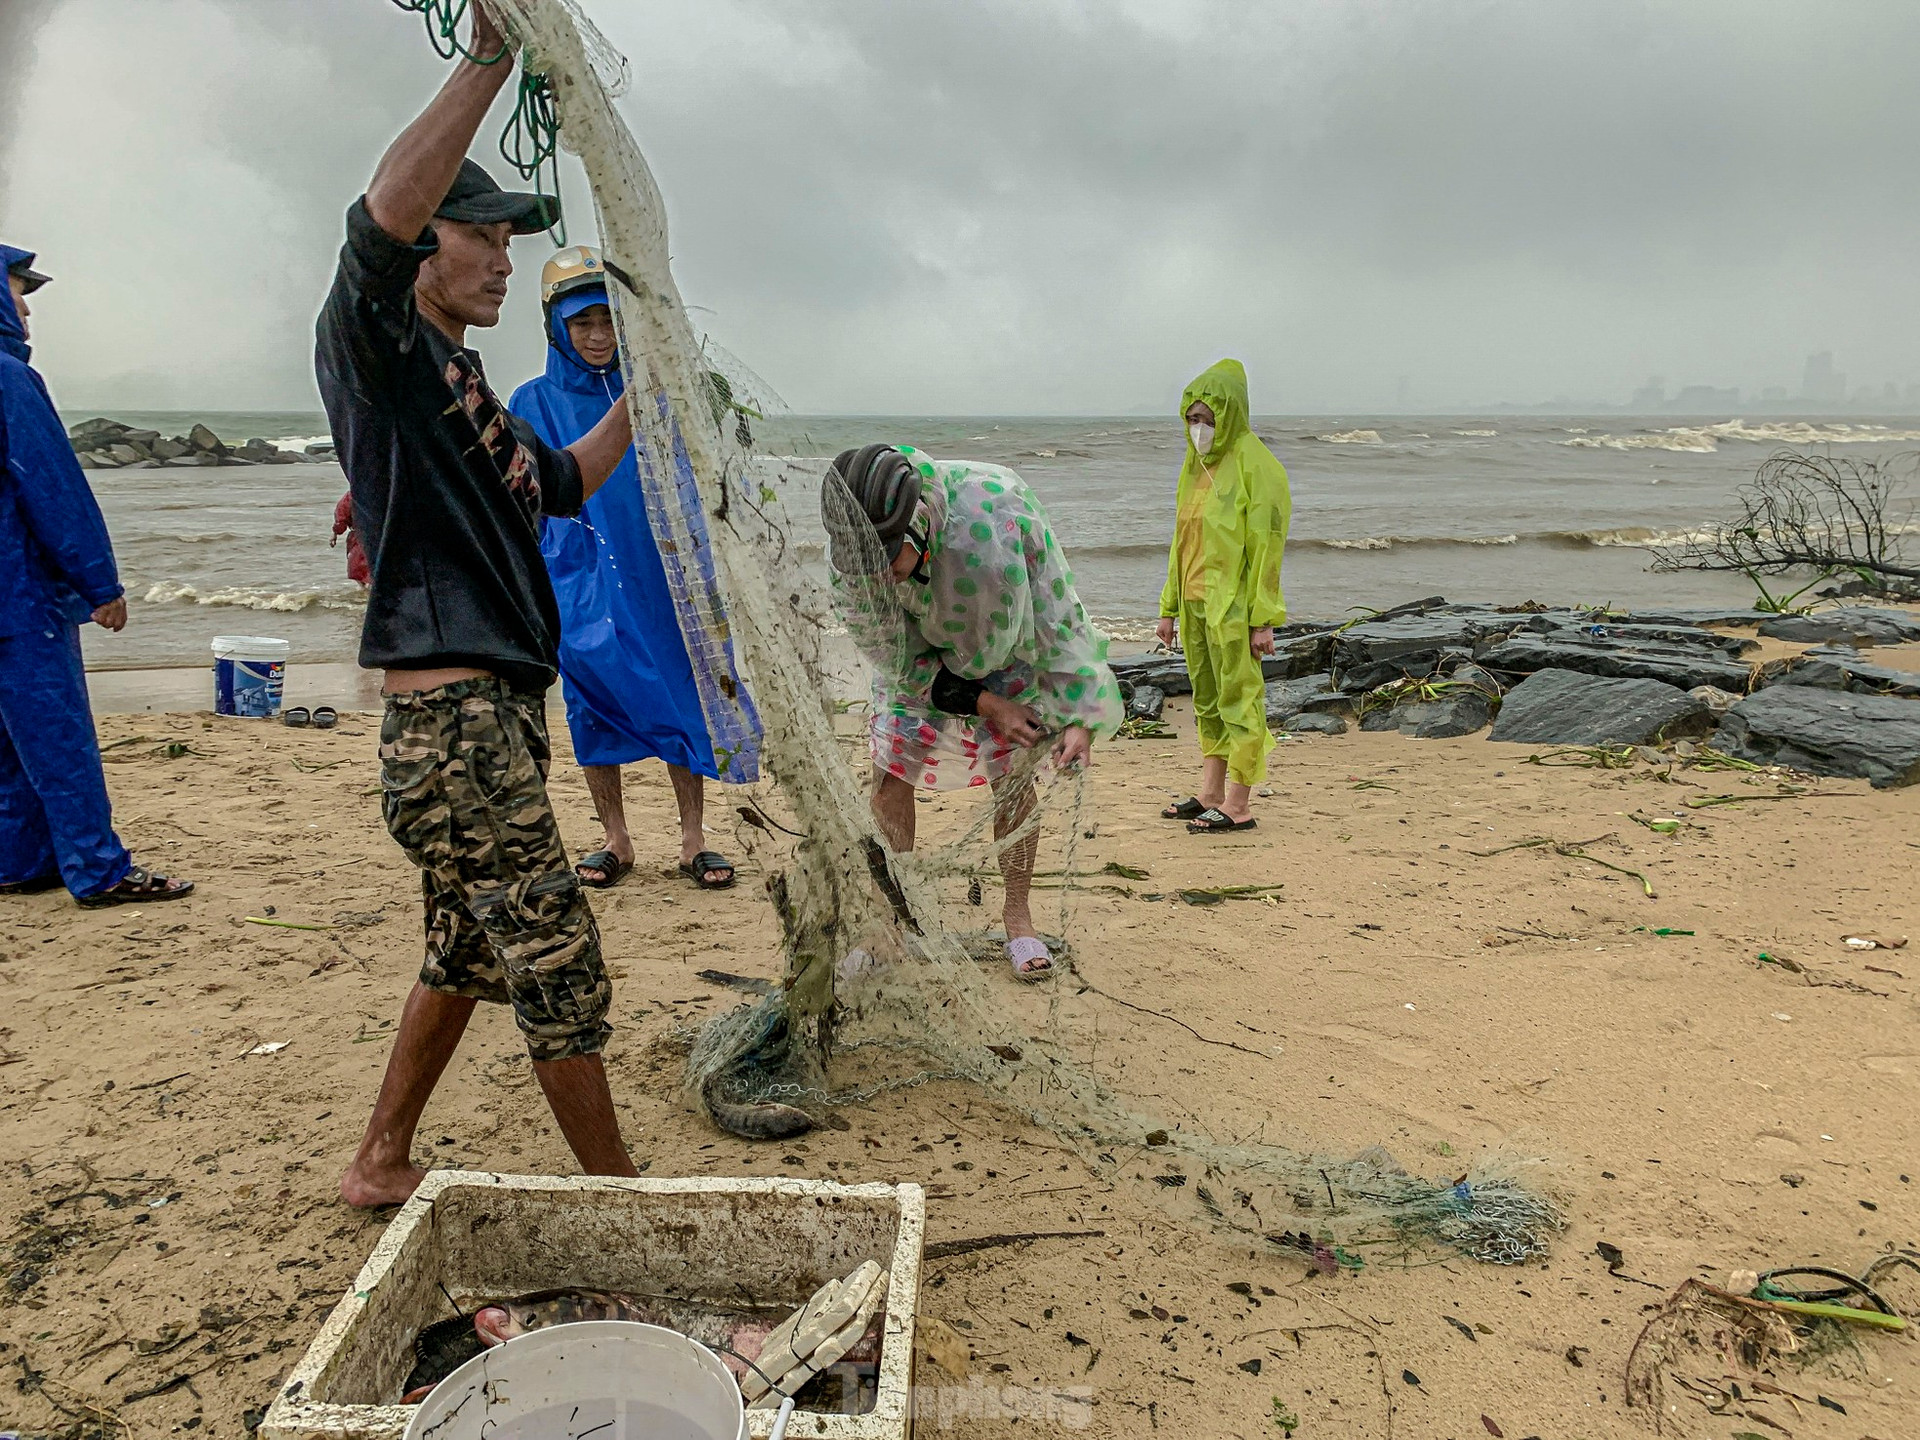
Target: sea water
1386, 509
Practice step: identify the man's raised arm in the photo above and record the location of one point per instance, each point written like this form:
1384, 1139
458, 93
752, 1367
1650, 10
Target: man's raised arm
418, 169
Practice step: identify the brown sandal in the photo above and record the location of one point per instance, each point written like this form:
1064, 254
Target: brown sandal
136, 887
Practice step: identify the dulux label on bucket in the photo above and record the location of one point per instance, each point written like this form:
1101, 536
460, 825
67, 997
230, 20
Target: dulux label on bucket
249, 673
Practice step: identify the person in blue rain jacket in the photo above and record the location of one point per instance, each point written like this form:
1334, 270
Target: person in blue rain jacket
56, 573
631, 690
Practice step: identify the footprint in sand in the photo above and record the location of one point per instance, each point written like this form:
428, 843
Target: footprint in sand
1889, 1064
1399, 1052
1779, 1144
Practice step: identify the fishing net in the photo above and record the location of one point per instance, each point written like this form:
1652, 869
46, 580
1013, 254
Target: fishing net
881, 987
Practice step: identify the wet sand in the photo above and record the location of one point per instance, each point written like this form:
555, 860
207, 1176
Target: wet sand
174, 1235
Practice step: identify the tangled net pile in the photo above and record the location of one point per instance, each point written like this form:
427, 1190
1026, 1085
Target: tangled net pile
924, 1001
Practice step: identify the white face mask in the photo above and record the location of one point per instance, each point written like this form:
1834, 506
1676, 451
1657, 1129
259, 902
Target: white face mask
1202, 436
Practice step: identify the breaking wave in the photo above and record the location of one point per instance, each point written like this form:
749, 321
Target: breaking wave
1351, 437
1475, 432
1705, 439
1630, 535
252, 598
1390, 542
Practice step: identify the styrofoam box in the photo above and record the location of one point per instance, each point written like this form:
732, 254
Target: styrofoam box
750, 1242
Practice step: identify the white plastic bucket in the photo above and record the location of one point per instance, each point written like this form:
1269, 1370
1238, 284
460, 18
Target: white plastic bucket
249, 672
612, 1378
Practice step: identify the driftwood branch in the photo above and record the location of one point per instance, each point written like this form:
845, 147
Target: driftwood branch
1826, 514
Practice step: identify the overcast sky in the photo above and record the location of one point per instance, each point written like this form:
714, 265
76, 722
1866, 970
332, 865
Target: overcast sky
1008, 206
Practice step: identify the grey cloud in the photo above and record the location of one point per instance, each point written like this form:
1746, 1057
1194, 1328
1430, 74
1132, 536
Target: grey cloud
1063, 204
20, 21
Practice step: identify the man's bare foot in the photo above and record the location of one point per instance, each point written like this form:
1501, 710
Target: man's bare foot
366, 1187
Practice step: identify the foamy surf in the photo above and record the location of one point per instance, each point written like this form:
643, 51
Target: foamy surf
1351, 437
252, 598
1704, 439
1389, 542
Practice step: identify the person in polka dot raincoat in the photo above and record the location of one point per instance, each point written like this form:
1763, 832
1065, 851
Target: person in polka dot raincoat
980, 646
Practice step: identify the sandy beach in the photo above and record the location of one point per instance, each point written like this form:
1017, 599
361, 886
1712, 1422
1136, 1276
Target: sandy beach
169, 1198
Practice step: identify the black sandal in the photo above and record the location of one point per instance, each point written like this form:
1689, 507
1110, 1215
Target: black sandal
137, 887
39, 885
325, 717
1218, 822
1188, 809
611, 867
297, 717
704, 864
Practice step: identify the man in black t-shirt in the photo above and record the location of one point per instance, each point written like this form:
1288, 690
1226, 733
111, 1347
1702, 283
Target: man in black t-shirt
448, 490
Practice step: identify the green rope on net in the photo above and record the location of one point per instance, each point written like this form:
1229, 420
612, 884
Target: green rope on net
443, 19
530, 143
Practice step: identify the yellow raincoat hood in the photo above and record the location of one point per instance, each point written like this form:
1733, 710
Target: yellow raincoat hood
1244, 530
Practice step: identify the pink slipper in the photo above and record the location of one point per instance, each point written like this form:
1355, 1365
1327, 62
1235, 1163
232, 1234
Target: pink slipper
1030, 958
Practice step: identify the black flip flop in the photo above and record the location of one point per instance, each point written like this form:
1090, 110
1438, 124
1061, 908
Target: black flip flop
611, 867
39, 885
1216, 822
325, 717
299, 717
137, 887
697, 868
1188, 809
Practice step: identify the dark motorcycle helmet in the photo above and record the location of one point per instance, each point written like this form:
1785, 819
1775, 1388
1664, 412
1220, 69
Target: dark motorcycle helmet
884, 488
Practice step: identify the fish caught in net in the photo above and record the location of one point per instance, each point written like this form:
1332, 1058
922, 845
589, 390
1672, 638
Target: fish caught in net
881, 989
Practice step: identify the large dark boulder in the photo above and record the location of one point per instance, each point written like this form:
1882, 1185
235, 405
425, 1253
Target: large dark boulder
1688, 616
1146, 702
1298, 650
1166, 673
1362, 678
1378, 652
1839, 667
1685, 667
1826, 732
1409, 640
1309, 722
1287, 698
1855, 625
1677, 637
1456, 712
99, 425
1569, 707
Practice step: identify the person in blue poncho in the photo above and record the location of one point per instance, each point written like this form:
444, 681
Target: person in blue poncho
631, 689
56, 573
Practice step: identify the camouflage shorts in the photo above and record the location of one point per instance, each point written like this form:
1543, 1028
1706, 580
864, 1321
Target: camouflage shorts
463, 769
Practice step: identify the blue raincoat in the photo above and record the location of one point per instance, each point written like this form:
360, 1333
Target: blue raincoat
631, 691
56, 568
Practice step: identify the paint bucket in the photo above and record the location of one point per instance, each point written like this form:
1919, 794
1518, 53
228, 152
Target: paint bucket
248, 673
613, 1379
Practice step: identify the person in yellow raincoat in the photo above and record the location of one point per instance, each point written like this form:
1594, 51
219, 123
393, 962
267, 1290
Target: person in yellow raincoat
1222, 598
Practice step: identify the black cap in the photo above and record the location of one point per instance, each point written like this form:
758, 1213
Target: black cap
30, 278
477, 198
